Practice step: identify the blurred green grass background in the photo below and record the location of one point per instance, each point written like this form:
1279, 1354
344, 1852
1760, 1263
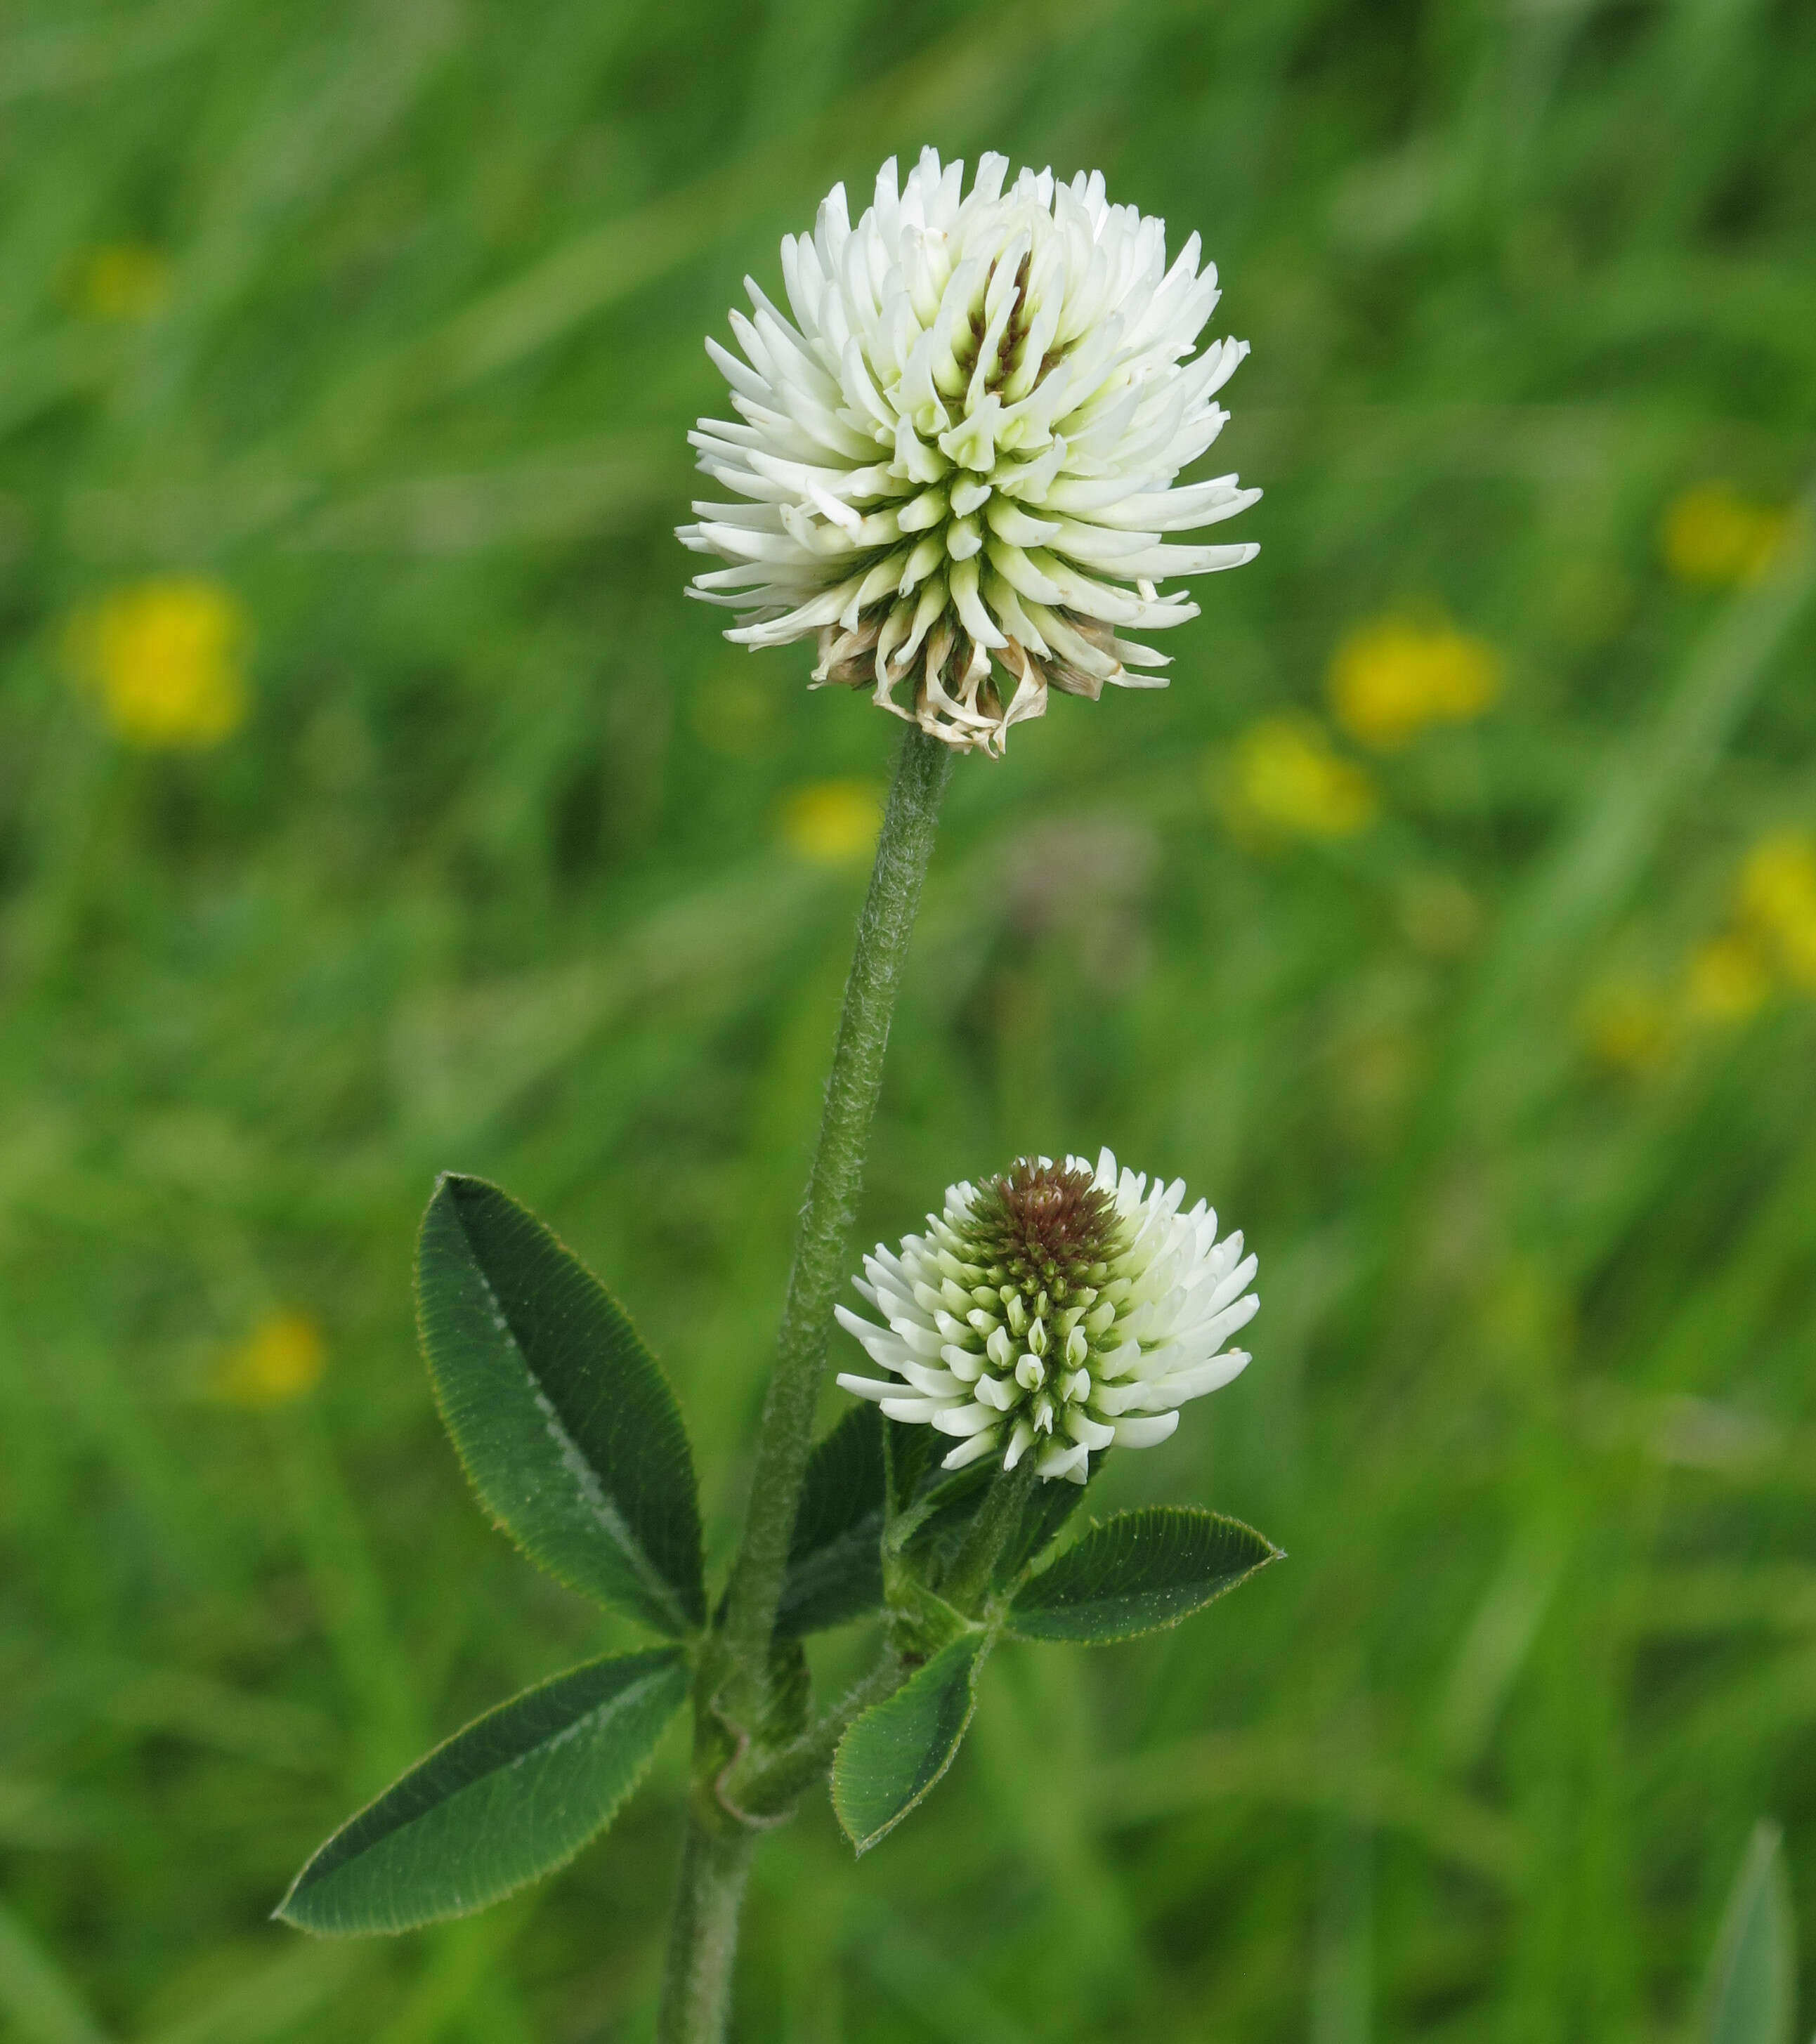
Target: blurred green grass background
378, 324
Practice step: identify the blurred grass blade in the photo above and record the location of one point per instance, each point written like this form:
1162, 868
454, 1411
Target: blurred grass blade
563, 1417
34, 1815
67, 56
944, 1997
835, 1560
580, 279
1343, 1938
513, 1796
40, 2004
1749, 1996
1495, 1643
1626, 807
274, 2000
355, 1612
892, 1756
442, 1997
1138, 1572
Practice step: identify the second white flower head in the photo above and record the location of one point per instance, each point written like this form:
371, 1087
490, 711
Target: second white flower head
1056, 1311
955, 464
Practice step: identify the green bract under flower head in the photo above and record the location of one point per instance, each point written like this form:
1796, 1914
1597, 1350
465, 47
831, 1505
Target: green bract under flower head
1057, 1310
955, 464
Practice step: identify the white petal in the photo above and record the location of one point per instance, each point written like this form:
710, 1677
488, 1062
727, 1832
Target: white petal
972, 1419
1072, 1461
972, 1451
882, 1345
1092, 1433
1145, 1433
1180, 1385
867, 1387
933, 1383
912, 1411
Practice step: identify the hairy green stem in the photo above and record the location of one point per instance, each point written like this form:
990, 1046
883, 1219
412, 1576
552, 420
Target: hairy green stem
786, 1432
696, 1994
703, 1940
775, 1785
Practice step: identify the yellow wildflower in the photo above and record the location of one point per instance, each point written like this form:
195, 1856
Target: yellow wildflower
1713, 537
161, 659
1778, 900
1391, 677
1729, 978
832, 823
281, 1360
1284, 779
124, 280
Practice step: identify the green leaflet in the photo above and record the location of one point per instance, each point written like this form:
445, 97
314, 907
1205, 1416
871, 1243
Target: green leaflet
1043, 1519
515, 1795
934, 1521
891, 1756
564, 1421
1137, 1572
835, 1562
1749, 1996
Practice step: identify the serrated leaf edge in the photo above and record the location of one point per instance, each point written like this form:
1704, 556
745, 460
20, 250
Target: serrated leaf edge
687, 1627
675, 1656
1160, 1625
861, 1847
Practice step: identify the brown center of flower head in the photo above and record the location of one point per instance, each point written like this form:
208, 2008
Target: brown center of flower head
1044, 1227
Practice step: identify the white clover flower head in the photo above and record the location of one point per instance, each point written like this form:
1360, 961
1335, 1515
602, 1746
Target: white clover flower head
1055, 1311
956, 459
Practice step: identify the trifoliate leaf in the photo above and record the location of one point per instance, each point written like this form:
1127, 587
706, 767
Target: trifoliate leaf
891, 1756
1137, 1572
563, 1417
515, 1795
835, 1563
